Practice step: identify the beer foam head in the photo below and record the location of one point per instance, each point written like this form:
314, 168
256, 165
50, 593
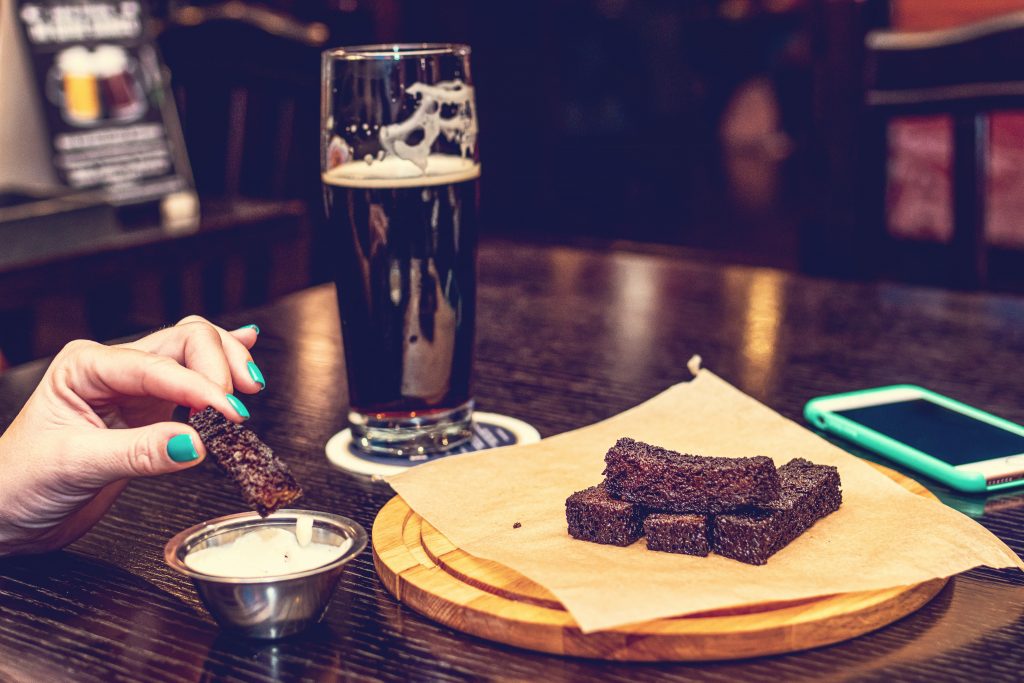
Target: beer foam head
459, 126
110, 60
76, 60
393, 172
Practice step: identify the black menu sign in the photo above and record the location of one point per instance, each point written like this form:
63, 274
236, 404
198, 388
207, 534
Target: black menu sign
112, 121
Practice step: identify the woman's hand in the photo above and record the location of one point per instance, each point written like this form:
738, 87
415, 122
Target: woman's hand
99, 417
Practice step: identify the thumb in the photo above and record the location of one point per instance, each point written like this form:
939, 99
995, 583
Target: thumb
114, 454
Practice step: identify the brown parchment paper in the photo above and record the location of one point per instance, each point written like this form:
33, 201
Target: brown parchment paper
882, 536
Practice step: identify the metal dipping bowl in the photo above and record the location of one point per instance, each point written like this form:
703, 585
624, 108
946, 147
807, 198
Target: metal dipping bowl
268, 606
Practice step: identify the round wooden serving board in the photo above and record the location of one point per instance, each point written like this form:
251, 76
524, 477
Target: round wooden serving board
423, 569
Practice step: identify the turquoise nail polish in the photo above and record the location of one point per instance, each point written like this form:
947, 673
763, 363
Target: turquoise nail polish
238, 406
253, 327
180, 448
256, 375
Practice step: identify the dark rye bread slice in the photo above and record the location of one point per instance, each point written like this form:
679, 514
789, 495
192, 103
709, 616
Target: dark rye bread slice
595, 516
671, 533
266, 482
809, 492
672, 482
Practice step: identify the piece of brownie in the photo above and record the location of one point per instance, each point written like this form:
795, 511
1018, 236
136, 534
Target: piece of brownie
673, 533
595, 516
665, 480
809, 492
266, 482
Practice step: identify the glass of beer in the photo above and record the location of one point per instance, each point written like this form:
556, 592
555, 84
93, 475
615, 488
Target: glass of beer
400, 172
80, 94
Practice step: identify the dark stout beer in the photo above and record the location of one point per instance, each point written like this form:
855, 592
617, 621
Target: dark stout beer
404, 250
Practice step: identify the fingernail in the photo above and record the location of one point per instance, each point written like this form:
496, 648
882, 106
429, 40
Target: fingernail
180, 448
256, 375
238, 406
254, 327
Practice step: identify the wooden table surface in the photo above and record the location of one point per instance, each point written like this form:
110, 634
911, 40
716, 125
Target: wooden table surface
566, 337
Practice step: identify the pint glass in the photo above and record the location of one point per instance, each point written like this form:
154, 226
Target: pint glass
400, 173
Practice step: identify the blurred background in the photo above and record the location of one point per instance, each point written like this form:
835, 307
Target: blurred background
726, 129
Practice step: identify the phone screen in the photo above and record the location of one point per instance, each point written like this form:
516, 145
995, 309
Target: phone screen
940, 432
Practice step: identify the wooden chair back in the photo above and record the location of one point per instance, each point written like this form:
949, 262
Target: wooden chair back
967, 72
872, 74
246, 82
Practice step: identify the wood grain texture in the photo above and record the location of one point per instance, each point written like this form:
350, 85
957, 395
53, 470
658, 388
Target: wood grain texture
423, 569
565, 337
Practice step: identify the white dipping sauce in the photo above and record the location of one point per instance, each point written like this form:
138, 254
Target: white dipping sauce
304, 530
271, 551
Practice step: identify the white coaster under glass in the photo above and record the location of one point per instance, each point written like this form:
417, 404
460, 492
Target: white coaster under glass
490, 430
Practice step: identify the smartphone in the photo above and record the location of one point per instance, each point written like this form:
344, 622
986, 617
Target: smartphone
957, 444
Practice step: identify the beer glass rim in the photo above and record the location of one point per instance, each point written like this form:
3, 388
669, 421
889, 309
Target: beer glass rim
395, 51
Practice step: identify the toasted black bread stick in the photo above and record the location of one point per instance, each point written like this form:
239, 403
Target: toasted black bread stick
266, 482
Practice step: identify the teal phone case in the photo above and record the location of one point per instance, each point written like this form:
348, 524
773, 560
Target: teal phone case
971, 482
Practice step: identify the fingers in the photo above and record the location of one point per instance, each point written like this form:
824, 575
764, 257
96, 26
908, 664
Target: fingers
245, 374
247, 335
96, 372
199, 348
221, 356
114, 454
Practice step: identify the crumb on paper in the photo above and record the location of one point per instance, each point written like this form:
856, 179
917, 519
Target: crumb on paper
517, 525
